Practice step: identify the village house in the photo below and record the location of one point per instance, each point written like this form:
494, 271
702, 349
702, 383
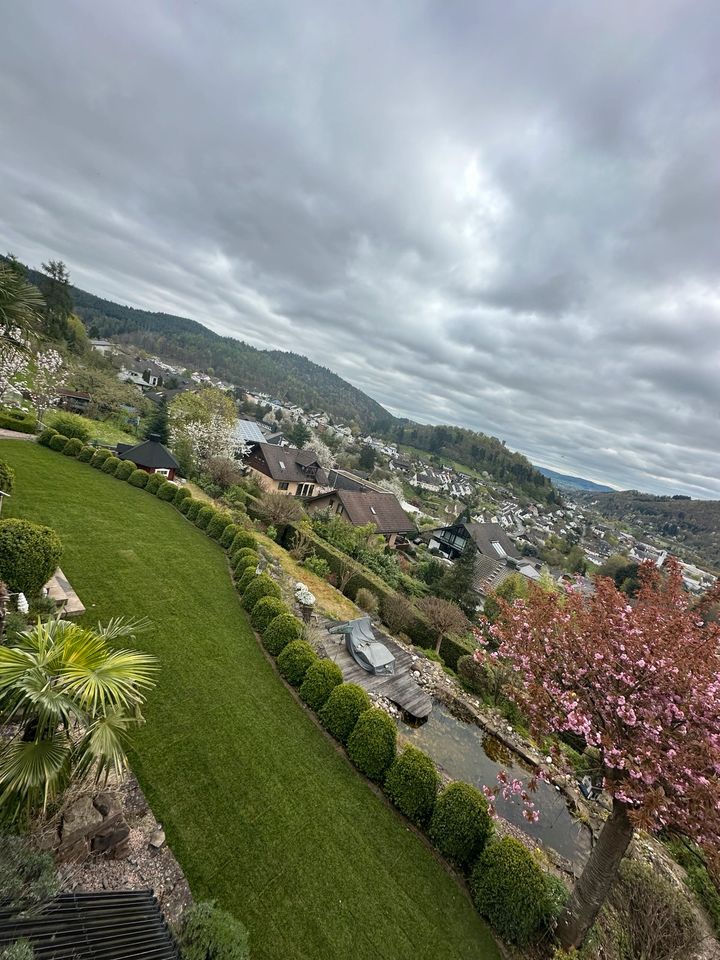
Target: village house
150, 456
73, 400
360, 507
287, 470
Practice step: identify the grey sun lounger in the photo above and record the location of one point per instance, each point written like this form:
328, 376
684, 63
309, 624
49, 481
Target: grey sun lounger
366, 651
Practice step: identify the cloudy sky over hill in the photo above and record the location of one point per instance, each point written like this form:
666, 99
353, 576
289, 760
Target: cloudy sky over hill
503, 215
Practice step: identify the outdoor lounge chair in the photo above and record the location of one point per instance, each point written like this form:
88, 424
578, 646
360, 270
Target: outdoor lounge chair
366, 651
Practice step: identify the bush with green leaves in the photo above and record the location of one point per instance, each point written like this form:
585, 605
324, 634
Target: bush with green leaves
510, 892
86, 454
343, 709
218, 522
280, 632
206, 932
461, 825
185, 504
264, 611
125, 469
228, 535
166, 491
367, 600
245, 580
372, 744
412, 784
111, 465
99, 457
317, 565
181, 493
154, 481
7, 478
19, 950
295, 661
203, 518
58, 442
320, 681
73, 447
139, 478
70, 425
193, 509
248, 561
27, 876
29, 555
242, 539
46, 436
261, 586
245, 552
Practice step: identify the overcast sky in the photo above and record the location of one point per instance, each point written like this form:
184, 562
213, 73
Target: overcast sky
501, 215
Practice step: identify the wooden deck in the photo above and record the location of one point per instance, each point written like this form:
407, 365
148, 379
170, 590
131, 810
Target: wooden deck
399, 687
60, 590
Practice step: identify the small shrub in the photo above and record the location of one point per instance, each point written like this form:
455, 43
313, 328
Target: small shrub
262, 586
70, 425
86, 454
57, 442
396, 613
320, 681
317, 565
242, 539
111, 465
697, 877
139, 478
412, 784
154, 481
245, 580
181, 493
295, 661
203, 518
193, 509
46, 436
343, 709
185, 504
125, 469
7, 478
208, 933
228, 535
29, 555
99, 457
244, 553
371, 746
461, 825
166, 491
27, 876
366, 600
73, 447
218, 522
19, 950
509, 890
248, 562
280, 632
265, 611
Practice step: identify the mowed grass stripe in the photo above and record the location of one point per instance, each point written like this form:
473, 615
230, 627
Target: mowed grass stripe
263, 813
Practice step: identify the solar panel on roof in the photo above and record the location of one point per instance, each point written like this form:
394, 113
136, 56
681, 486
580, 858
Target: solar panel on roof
249, 431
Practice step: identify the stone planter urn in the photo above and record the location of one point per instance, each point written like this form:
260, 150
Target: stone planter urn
305, 600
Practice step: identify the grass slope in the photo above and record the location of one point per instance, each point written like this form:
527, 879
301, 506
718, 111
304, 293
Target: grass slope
262, 812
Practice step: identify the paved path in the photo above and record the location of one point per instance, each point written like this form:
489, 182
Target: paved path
14, 435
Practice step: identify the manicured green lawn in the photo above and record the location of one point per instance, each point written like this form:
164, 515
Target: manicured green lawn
263, 813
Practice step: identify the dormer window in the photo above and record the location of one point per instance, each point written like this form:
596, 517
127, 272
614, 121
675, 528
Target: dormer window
497, 547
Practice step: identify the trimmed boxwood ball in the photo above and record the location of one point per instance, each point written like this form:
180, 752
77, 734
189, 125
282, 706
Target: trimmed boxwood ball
29, 555
193, 509
245, 580
184, 505
166, 491
111, 465
139, 478
154, 481
242, 539
461, 825
181, 493
295, 661
510, 891
203, 518
216, 527
46, 436
372, 744
264, 611
262, 586
412, 784
125, 469
343, 709
280, 632
320, 681
86, 454
73, 447
228, 535
247, 562
58, 442
7, 477
99, 457
245, 552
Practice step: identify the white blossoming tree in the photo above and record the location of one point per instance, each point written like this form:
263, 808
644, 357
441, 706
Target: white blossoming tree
45, 380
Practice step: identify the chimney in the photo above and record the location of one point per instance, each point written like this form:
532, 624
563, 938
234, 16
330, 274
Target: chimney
154, 437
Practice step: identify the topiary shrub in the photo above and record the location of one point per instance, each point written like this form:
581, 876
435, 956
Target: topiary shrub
86, 454
228, 535
154, 481
208, 933
372, 744
280, 632
99, 457
245, 552
73, 447
181, 493
262, 586
125, 469
366, 600
193, 509
245, 580
265, 611
139, 478
295, 661
461, 825
46, 436
343, 709
509, 890
111, 464
203, 518
320, 681
166, 491
7, 478
249, 561
218, 522
185, 504
412, 784
57, 442
242, 539
29, 555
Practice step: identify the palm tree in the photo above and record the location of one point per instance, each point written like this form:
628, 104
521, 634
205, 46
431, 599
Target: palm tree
68, 700
20, 302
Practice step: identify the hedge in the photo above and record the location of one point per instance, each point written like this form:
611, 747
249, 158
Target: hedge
154, 482
245, 580
29, 555
371, 746
265, 611
111, 464
295, 661
280, 632
343, 709
125, 469
73, 447
99, 457
247, 562
320, 681
242, 539
208, 933
510, 891
452, 648
47, 434
17, 420
218, 522
86, 454
412, 784
261, 586
203, 517
139, 478
166, 491
228, 535
193, 509
461, 826
7, 477
181, 493
185, 504
57, 442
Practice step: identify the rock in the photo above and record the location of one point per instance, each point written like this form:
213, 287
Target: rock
106, 803
157, 838
114, 831
121, 851
80, 819
74, 852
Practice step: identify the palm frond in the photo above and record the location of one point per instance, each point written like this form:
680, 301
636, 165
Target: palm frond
104, 745
34, 770
121, 627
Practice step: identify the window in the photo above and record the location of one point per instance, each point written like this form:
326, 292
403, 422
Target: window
283, 485
163, 473
304, 489
497, 547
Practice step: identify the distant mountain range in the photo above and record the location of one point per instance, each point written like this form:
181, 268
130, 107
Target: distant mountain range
567, 482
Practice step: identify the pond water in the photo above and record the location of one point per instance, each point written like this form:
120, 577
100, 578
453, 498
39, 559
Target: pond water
465, 752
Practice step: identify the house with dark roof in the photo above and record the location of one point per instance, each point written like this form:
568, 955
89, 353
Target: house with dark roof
297, 473
150, 456
360, 507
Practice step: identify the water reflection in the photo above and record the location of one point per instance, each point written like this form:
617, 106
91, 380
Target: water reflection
465, 752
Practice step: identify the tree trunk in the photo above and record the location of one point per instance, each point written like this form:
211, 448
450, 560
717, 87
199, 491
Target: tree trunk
597, 878
438, 644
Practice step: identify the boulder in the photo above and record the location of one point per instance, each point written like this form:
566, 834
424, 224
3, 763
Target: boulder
80, 819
